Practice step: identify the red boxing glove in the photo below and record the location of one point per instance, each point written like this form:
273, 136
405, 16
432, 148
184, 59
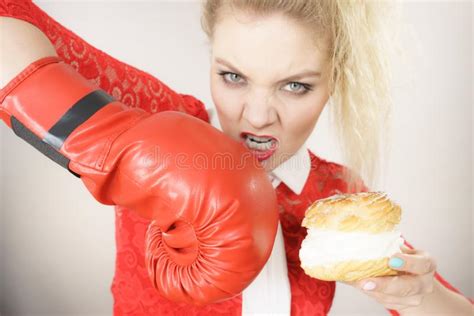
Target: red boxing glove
213, 207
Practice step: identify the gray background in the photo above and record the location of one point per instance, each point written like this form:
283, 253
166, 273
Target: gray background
57, 243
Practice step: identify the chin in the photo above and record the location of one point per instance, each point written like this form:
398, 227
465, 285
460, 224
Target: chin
270, 163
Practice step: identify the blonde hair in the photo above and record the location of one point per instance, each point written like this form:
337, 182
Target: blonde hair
360, 45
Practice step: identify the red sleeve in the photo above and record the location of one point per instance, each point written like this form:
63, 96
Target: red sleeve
128, 84
439, 278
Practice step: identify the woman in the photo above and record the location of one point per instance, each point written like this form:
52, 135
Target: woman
257, 102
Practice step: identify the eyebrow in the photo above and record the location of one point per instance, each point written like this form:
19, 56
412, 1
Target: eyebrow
304, 74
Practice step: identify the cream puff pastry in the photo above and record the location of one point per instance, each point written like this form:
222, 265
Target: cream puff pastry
351, 237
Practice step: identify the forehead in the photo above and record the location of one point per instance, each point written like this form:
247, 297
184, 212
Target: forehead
273, 43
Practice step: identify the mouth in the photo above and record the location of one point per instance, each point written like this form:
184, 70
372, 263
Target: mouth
261, 146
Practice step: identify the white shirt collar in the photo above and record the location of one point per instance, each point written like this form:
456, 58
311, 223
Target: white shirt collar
293, 172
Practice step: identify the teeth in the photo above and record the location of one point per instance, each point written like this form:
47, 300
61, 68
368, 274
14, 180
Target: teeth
259, 139
252, 144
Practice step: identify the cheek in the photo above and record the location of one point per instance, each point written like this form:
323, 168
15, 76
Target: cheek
300, 124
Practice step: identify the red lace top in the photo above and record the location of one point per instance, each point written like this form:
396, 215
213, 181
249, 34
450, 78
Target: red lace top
132, 291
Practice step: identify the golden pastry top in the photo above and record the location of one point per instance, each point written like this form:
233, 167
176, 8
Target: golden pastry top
365, 211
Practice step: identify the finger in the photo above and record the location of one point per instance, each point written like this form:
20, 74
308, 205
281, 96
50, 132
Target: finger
390, 285
400, 286
403, 285
419, 263
406, 249
370, 284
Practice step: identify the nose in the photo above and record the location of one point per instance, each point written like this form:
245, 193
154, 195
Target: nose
260, 109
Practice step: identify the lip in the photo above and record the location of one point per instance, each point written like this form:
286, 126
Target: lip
261, 155
243, 134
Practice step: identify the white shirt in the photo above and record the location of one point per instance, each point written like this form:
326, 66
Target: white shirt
270, 293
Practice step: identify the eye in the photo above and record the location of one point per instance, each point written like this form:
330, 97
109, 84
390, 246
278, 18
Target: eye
233, 79
230, 77
299, 88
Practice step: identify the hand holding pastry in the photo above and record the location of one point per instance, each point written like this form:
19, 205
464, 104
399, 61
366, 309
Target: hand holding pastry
407, 289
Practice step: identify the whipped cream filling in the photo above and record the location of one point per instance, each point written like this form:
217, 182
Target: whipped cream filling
325, 247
